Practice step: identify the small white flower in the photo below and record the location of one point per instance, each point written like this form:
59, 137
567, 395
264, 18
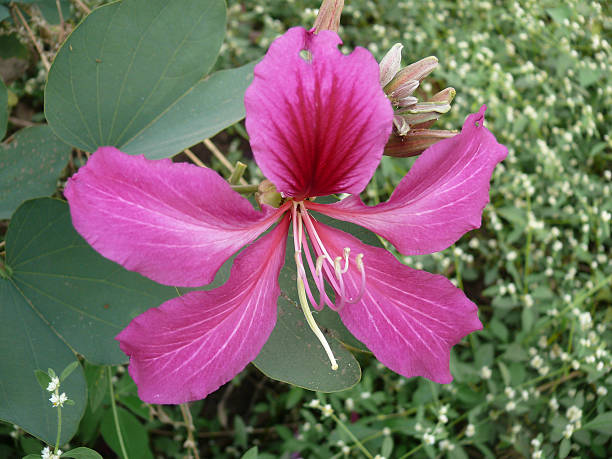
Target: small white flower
58, 400
327, 410
314, 403
602, 391
509, 391
485, 372
537, 454
510, 406
349, 404
443, 418
346, 450
366, 395
569, 430
470, 430
574, 414
553, 404
54, 384
446, 445
429, 439
45, 453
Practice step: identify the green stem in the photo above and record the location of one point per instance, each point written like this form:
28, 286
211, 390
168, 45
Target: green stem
245, 189
527, 248
115, 415
412, 451
237, 174
363, 449
59, 427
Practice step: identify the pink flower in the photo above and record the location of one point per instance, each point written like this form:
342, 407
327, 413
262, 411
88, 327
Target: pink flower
318, 122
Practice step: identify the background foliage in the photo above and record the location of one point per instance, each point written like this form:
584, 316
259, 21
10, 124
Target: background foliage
536, 381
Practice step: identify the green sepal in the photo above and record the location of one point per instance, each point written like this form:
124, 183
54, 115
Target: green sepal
43, 378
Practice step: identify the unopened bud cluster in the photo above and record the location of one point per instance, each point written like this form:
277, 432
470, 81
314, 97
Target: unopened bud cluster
412, 118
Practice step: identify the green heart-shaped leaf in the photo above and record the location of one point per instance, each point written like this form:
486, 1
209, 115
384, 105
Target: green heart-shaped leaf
57, 295
30, 166
133, 74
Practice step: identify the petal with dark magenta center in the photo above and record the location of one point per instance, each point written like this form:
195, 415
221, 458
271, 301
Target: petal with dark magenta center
440, 199
318, 120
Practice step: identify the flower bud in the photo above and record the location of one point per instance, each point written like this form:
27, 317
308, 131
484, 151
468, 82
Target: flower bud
414, 142
390, 64
267, 194
412, 117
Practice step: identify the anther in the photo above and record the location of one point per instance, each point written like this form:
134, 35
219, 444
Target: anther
347, 252
361, 268
319, 265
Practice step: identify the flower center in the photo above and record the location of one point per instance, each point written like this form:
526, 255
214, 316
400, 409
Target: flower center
326, 267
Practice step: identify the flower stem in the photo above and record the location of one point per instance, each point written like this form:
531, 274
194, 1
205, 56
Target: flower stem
59, 427
245, 189
527, 248
237, 173
115, 415
363, 449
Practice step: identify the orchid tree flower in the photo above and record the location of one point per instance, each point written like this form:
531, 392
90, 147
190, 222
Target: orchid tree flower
318, 122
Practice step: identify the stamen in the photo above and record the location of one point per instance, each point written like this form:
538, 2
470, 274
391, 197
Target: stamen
313, 325
320, 261
347, 252
318, 278
361, 268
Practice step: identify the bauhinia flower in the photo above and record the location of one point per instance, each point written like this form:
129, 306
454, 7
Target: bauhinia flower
318, 122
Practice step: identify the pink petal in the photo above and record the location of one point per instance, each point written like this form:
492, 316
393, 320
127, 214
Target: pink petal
409, 319
190, 346
172, 222
317, 127
440, 199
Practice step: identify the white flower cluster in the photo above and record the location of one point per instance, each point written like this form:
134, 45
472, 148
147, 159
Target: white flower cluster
46, 453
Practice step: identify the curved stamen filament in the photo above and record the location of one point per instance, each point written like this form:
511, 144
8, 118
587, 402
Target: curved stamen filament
303, 288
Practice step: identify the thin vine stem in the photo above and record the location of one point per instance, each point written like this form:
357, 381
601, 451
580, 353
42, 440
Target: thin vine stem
59, 428
115, 415
359, 445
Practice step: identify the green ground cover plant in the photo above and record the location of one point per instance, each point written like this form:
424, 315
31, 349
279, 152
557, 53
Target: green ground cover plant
536, 381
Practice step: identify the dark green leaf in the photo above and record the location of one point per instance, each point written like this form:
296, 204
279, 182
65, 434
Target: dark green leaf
97, 384
601, 423
68, 370
133, 74
134, 435
28, 343
3, 100
82, 453
251, 453
294, 355
564, 448
83, 297
30, 166
60, 292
